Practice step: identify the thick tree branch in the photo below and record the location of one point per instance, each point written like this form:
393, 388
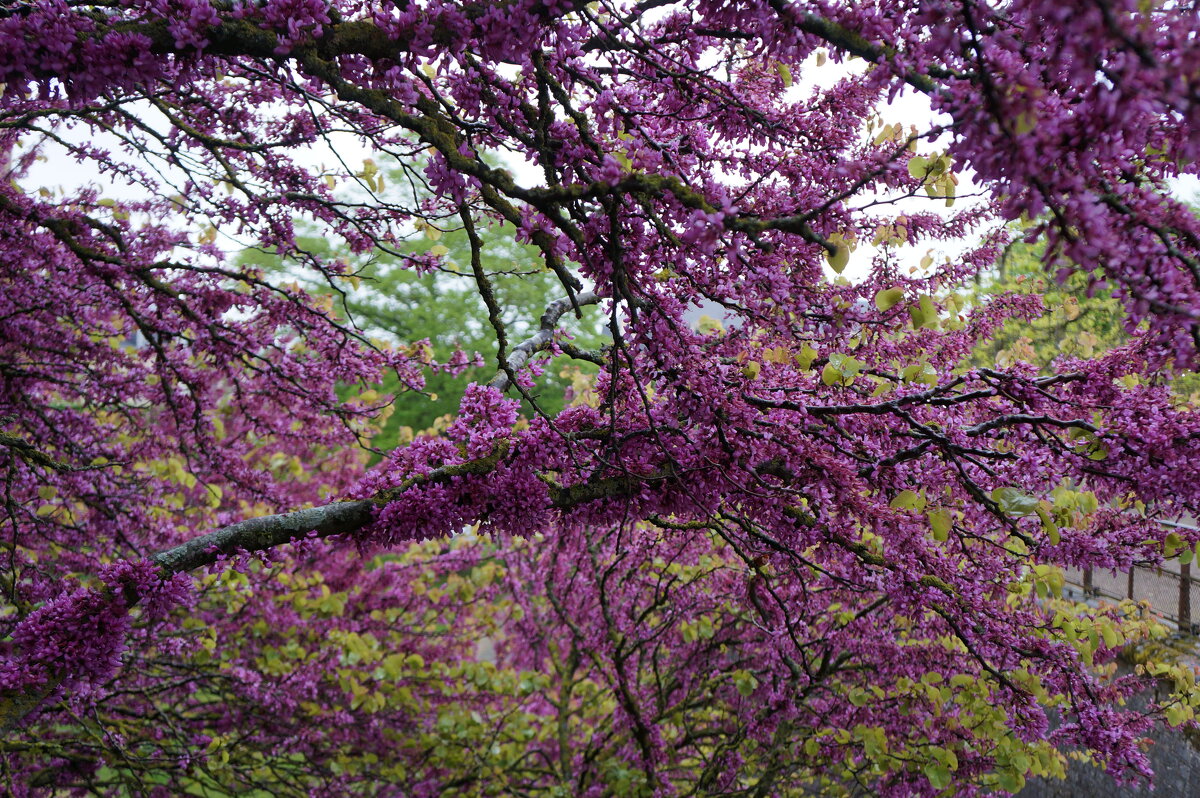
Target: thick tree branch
259, 534
541, 339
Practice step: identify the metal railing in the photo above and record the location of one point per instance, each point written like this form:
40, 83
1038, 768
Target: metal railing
1171, 590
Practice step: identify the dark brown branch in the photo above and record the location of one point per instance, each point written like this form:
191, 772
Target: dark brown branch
259, 534
1013, 420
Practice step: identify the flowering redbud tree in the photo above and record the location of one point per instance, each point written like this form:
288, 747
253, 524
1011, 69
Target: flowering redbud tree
806, 545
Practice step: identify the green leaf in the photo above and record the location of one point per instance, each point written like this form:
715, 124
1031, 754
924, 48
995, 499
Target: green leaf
1049, 526
1013, 501
841, 369
928, 311
950, 191
1109, 634
938, 775
745, 682
888, 298
923, 314
940, 522
921, 373
849, 366
830, 375
806, 357
907, 500
838, 258
1011, 780
785, 74
918, 166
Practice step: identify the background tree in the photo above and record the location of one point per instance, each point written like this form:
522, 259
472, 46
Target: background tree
811, 546
1078, 318
1075, 322
443, 307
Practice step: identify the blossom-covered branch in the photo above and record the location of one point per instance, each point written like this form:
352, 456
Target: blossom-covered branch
789, 527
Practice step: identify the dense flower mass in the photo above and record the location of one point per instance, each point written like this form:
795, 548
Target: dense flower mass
792, 536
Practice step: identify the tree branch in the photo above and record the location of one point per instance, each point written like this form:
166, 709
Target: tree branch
541, 339
259, 534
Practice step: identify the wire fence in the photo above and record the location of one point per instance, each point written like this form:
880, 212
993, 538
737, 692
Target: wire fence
1172, 590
